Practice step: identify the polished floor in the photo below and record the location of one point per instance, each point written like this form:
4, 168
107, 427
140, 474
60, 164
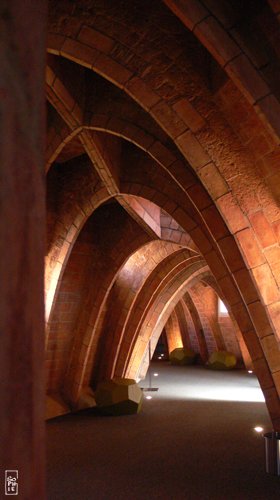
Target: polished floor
194, 440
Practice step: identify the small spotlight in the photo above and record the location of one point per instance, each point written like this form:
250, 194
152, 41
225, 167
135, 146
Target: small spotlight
159, 357
149, 397
155, 374
258, 429
250, 371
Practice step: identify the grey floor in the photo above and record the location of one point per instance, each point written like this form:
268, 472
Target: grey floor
193, 440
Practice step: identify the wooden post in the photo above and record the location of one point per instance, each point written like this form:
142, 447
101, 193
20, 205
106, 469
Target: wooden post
22, 243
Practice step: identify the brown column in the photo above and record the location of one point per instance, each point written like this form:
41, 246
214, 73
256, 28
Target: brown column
22, 241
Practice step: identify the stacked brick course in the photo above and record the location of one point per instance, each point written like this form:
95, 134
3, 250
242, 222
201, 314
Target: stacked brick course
162, 165
179, 124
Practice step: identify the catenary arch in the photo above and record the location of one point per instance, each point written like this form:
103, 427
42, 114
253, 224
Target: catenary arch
138, 89
254, 310
79, 351
92, 266
207, 341
87, 344
196, 343
150, 309
241, 55
87, 347
173, 332
132, 280
113, 356
151, 328
210, 337
225, 282
70, 44
245, 234
249, 335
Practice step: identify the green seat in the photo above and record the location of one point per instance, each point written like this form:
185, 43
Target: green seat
119, 396
222, 360
182, 356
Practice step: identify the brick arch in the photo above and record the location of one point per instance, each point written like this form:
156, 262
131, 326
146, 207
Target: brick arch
238, 55
180, 330
197, 343
86, 282
183, 325
221, 257
87, 356
200, 158
186, 128
248, 231
158, 281
173, 332
58, 136
58, 256
209, 334
76, 216
246, 236
165, 202
242, 226
187, 295
126, 290
106, 64
193, 140
262, 363
151, 328
194, 315
220, 333
235, 331
66, 236
109, 361
209, 325
79, 367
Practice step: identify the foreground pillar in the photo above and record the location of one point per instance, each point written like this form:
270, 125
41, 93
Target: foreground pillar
22, 241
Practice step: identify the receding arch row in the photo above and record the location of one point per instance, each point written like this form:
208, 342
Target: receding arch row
250, 339
162, 308
193, 328
241, 312
147, 309
79, 367
123, 303
245, 234
102, 345
79, 374
196, 150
